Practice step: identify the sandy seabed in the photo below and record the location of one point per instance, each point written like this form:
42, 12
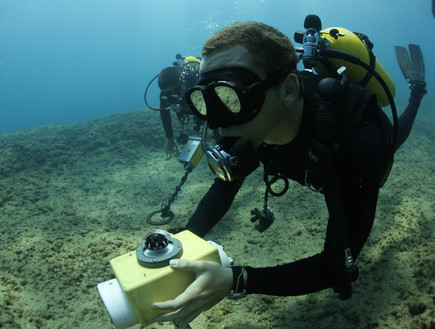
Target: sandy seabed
74, 197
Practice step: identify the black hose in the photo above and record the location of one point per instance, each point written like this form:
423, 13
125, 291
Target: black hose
145, 94
149, 84
334, 53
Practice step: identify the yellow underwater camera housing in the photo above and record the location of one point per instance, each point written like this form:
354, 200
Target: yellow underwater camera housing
144, 276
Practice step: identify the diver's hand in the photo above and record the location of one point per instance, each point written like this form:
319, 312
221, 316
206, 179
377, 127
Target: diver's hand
171, 147
211, 285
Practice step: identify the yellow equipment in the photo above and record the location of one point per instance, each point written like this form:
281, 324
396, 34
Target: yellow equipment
349, 42
191, 60
146, 278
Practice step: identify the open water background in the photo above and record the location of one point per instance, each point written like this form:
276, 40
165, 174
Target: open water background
62, 62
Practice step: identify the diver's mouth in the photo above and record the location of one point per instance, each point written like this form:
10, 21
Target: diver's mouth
236, 132
234, 143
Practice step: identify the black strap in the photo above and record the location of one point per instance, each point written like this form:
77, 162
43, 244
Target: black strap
369, 45
345, 270
332, 100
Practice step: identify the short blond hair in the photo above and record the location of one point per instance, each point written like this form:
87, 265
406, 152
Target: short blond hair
272, 50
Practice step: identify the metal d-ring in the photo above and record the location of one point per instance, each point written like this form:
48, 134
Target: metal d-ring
273, 181
166, 212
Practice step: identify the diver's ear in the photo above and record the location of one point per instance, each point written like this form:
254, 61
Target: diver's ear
291, 88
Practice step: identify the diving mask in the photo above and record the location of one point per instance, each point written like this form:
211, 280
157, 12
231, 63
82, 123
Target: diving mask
230, 96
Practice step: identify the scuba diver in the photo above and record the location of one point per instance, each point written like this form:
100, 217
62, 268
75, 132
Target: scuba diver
328, 134
173, 83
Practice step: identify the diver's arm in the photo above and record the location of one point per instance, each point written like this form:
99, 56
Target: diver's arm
171, 147
165, 116
406, 119
360, 177
213, 206
412, 66
304, 276
298, 278
320, 271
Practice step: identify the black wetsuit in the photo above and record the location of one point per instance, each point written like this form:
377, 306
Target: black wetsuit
190, 74
360, 171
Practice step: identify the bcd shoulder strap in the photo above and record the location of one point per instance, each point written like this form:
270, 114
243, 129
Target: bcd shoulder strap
341, 107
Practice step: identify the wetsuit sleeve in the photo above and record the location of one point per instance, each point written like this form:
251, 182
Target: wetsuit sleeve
165, 116
358, 181
406, 119
213, 206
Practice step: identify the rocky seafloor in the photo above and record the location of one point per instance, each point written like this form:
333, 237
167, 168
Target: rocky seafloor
74, 197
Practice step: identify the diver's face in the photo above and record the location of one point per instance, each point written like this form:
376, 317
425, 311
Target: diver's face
262, 125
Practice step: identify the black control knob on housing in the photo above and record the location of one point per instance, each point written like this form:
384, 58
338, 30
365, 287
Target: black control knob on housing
156, 241
157, 249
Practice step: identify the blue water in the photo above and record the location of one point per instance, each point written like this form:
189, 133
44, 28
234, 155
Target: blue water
66, 61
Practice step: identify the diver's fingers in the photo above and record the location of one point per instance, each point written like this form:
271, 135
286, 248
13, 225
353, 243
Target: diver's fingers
184, 314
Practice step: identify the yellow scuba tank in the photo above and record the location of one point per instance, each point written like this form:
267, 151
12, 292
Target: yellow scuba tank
349, 42
191, 60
